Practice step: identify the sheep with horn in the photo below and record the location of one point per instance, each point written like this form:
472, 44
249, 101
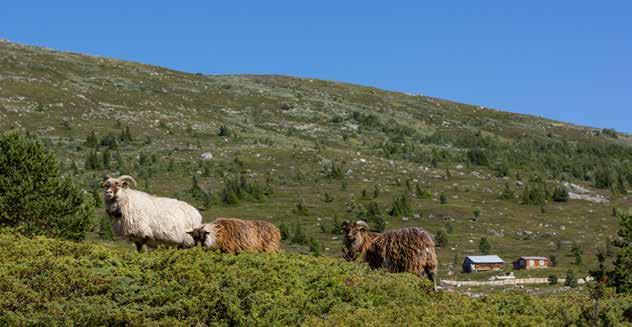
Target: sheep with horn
146, 219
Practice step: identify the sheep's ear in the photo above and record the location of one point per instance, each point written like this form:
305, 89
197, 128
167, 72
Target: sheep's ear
362, 225
105, 179
345, 224
125, 184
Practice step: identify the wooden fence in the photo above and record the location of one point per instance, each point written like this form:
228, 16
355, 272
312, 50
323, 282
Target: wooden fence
508, 282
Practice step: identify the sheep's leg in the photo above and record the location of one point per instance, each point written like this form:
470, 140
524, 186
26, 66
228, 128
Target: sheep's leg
431, 276
429, 273
139, 245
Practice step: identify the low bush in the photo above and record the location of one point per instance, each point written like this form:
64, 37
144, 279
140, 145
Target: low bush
54, 282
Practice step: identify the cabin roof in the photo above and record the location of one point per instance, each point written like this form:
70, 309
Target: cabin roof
533, 258
485, 259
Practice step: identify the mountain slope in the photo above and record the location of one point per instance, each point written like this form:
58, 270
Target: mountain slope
311, 153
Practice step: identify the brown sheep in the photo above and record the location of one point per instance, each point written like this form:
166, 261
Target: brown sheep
230, 235
401, 250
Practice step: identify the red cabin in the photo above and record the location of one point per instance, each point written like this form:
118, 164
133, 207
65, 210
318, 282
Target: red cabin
531, 262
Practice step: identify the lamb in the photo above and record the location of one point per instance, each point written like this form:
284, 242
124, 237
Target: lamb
146, 219
401, 250
231, 235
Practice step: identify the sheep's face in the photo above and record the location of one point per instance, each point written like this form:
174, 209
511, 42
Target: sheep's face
354, 236
205, 235
199, 235
113, 188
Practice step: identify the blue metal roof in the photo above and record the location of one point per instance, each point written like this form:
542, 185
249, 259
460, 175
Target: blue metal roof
485, 259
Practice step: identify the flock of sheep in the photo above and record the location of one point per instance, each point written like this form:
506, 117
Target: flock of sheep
151, 221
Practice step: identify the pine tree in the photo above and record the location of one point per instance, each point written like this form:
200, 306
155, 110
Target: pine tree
92, 161
34, 198
314, 247
571, 279
400, 206
298, 236
376, 191
106, 158
91, 140
477, 212
484, 246
577, 252
285, 232
443, 198
560, 194
441, 238
621, 274
96, 198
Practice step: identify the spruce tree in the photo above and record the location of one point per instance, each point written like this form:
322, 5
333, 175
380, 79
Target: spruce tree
34, 198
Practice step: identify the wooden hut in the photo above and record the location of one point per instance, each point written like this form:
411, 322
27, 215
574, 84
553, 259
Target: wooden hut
475, 263
532, 262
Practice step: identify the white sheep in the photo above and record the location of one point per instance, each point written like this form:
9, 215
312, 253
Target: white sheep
146, 219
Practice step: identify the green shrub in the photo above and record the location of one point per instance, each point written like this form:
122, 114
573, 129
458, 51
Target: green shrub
401, 206
571, 279
577, 252
553, 259
484, 246
105, 227
34, 198
314, 247
553, 279
67, 283
441, 239
621, 274
533, 196
478, 157
300, 208
285, 231
560, 194
476, 212
422, 194
443, 198
298, 235
507, 193
224, 131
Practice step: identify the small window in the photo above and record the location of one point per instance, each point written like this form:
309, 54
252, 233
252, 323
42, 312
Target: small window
541, 262
531, 263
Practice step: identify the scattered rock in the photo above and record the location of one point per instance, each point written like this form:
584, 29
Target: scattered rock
206, 156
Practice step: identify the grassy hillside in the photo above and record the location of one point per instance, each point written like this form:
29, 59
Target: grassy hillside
307, 154
53, 282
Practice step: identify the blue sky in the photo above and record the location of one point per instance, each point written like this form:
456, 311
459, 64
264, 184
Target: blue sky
566, 60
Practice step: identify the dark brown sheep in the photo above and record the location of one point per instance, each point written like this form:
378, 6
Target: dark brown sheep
231, 235
401, 250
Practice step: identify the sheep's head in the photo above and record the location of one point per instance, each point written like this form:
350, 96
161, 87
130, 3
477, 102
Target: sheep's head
199, 235
354, 237
113, 188
204, 235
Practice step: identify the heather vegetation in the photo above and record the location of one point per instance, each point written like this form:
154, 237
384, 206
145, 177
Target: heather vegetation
51, 282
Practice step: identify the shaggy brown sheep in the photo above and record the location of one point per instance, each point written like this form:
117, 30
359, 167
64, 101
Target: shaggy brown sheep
401, 250
231, 235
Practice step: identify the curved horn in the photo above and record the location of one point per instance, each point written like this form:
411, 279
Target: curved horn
127, 178
106, 177
363, 224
